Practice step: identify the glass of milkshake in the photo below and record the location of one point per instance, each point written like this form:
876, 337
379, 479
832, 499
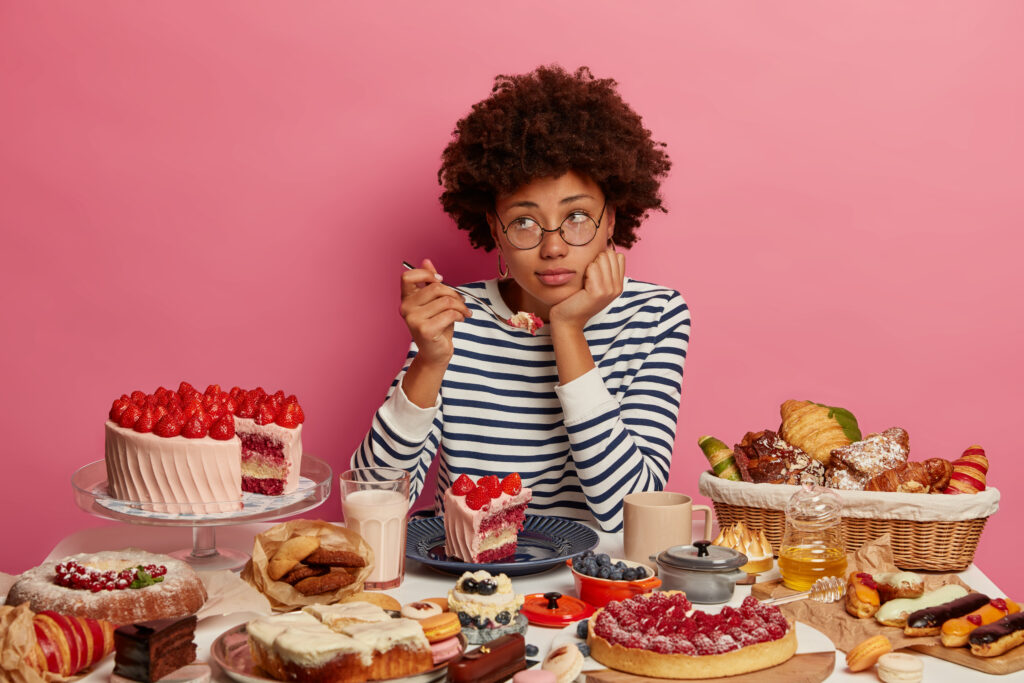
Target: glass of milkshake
375, 502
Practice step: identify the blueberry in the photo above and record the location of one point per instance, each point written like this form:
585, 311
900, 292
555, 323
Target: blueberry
603, 560
586, 553
641, 572
581, 628
622, 565
465, 619
480, 622
503, 618
532, 650
487, 587
584, 649
604, 572
469, 585
629, 575
615, 574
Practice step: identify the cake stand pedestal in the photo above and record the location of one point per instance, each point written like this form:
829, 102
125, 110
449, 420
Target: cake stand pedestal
91, 495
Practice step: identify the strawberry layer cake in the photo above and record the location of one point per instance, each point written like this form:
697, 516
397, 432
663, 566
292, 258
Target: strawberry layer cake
189, 452
482, 521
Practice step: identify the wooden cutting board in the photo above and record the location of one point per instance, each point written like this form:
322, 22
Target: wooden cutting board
809, 668
1003, 664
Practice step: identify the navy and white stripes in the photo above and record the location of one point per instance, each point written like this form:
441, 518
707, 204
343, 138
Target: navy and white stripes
582, 446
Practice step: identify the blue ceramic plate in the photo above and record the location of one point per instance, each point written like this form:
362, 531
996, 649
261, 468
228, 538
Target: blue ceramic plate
544, 542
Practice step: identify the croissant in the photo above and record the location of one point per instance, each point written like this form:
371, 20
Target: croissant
969, 471
817, 429
913, 477
57, 643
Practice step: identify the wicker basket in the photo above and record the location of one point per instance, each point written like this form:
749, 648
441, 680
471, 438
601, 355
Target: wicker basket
927, 544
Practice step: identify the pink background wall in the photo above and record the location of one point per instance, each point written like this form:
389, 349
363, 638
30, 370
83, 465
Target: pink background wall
222, 192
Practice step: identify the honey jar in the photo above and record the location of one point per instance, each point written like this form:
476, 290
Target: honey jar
812, 544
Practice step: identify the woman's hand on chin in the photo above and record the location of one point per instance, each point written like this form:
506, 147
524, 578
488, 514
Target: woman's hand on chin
602, 283
430, 310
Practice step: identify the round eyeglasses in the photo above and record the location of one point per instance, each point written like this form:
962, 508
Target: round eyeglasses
578, 229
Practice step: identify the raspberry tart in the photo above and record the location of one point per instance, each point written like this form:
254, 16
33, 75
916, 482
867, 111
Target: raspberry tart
189, 452
119, 586
482, 520
659, 634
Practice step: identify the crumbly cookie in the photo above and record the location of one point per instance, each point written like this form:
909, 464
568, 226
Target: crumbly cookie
303, 571
331, 581
291, 552
335, 558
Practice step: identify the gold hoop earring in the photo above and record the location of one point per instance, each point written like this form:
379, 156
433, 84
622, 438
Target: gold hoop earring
502, 274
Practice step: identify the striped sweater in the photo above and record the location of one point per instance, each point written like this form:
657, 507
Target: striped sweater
580, 446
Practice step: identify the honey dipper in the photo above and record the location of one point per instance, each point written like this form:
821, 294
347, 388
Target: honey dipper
826, 589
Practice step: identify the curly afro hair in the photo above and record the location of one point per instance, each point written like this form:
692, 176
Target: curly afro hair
543, 124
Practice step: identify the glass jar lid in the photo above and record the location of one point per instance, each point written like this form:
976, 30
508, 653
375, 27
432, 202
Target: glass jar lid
814, 504
702, 556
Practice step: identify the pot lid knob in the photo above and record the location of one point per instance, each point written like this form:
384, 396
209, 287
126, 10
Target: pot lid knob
702, 548
552, 598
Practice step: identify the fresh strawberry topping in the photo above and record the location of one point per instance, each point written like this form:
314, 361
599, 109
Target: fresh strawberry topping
265, 414
167, 427
138, 398
213, 390
491, 484
290, 416
248, 407
117, 409
186, 389
129, 416
223, 429
147, 421
512, 484
477, 498
462, 485
195, 427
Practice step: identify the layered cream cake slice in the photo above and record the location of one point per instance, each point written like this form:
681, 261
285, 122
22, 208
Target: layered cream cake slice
482, 521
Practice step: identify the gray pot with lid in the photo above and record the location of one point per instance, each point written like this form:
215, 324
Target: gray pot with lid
706, 573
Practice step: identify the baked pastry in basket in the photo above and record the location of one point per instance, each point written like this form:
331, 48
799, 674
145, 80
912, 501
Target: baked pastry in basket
929, 476
817, 429
854, 464
765, 458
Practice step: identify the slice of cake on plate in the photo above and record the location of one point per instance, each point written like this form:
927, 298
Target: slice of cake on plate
482, 521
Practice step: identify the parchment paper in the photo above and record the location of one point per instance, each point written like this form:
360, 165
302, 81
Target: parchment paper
847, 631
282, 596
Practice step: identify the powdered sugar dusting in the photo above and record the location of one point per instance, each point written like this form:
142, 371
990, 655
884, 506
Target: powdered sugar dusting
180, 593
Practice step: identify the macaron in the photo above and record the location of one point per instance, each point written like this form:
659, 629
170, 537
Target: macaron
867, 653
443, 650
441, 626
420, 610
897, 667
565, 661
534, 676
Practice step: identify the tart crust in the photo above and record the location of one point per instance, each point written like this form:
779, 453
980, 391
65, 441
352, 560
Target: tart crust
646, 663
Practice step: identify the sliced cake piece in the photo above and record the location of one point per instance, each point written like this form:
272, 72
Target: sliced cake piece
482, 521
150, 650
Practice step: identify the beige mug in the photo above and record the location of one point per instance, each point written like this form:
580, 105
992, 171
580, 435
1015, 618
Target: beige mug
653, 521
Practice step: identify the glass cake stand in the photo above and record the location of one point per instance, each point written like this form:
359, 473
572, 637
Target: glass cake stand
91, 495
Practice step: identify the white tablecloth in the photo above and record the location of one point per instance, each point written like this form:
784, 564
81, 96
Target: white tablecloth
423, 582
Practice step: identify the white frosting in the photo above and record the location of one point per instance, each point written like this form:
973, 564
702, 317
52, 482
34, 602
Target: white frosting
176, 474
462, 537
302, 638
338, 616
266, 629
475, 605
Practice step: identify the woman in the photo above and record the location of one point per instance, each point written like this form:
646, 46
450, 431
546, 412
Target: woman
553, 170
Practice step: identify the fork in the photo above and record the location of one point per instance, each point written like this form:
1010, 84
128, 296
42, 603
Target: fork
471, 296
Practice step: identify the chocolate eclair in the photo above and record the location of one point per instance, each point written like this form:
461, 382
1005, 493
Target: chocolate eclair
928, 621
998, 637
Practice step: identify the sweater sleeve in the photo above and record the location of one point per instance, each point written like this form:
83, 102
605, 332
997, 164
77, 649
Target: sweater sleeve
624, 444
402, 434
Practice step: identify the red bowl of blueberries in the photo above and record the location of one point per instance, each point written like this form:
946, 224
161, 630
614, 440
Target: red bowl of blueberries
600, 579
